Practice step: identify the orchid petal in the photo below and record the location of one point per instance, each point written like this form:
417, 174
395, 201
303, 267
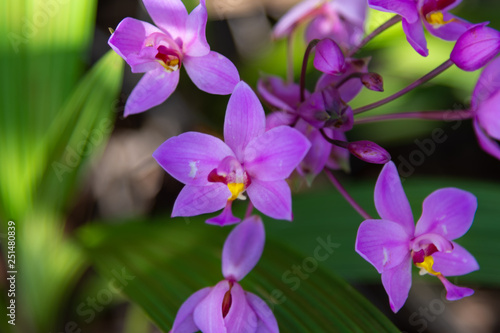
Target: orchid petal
488, 84
429, 6
196, 200
184, 321
224, 218
279, 118
153, 89
271, 198
280, 94
406, 8
208, 314
390, 199
448, 212
384, 244
295, 16
212, 73
169, 15
240, 317
275, 154
243, 248
128, 38
353, 10
415, 35
195, 41
329, 58
487, 144
423, 241
266, 321
245, 119
488, 115
476, 47
397, 283
457, 262
318, 154
454, 293
313, 110
191, 156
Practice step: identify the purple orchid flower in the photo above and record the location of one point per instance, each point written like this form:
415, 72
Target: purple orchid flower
433, 14
251, 160
394, 242
179, 39
485, 105
226, 307
340, 20
285, 97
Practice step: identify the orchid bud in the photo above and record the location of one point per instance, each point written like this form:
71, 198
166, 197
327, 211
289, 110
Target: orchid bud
329, 58
373, 81
476, 47
369, 152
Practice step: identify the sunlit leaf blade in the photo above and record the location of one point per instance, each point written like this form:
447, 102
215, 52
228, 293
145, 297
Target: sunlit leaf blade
170, 260
48, 258
41, 60
81, 128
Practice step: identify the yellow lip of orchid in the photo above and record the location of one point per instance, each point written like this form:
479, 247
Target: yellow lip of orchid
236, 190
426, 266
170, 65
437, 18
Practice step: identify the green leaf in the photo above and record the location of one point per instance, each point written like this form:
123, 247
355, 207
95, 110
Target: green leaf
41, 60
165, 262
81, 128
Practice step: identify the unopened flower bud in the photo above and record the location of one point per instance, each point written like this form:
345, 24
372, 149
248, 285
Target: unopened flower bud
329, 58
369, 152
476, 47
373, 81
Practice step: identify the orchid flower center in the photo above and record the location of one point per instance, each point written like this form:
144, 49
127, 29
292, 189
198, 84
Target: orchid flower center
436, 18
231, 173
168, 52
168, 59
426, 266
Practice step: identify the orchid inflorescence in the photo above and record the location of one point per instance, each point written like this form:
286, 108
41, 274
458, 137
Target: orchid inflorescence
306, 133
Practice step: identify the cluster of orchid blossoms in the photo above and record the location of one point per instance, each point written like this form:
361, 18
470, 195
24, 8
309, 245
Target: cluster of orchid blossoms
304, 135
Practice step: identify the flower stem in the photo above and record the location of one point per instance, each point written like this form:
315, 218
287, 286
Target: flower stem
346, 195
337, 143
445, 115
289, 44
249, 209
311, 45
441, 68
393, 20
